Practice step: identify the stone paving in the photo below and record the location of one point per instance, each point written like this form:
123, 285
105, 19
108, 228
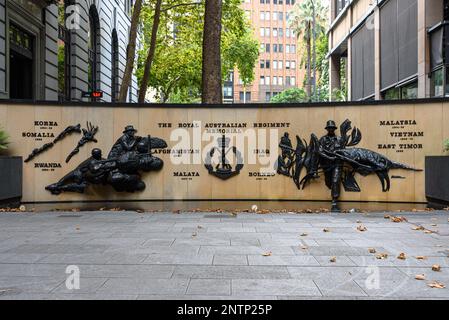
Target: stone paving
130, 255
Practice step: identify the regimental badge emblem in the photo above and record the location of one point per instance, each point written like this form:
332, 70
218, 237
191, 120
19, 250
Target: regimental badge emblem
224, 169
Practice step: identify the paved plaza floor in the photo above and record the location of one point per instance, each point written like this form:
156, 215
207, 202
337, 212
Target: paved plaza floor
209, 255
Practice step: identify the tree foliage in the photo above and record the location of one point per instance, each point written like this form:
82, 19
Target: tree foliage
301, 21
291, 95
176, 69
3, 140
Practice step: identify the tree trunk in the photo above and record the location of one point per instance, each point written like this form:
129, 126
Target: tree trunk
309, 82
211, 71
151, 51
130, 52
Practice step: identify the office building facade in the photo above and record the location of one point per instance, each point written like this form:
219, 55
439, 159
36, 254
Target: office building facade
278, 66
388, 49
64, 49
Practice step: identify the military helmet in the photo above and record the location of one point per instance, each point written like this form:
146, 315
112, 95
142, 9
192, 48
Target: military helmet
330, 125
96, 153
129, 128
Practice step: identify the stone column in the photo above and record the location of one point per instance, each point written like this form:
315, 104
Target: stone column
334, 74
348, 73
376, 25
423, 54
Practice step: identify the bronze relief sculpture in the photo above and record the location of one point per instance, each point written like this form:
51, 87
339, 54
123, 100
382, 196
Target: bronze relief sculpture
336, 158
129, 155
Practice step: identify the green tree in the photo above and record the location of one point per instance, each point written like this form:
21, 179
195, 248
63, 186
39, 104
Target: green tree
322, 65
211, 63
130, 51
301, 21
177, 64
292, 95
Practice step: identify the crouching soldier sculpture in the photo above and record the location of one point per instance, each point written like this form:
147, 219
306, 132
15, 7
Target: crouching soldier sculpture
128, 156
332, 156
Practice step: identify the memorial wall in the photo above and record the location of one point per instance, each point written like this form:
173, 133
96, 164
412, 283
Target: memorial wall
215, 153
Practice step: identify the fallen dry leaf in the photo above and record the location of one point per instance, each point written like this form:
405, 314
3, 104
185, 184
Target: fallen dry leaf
194, 234
304, 234
402, 256
361, 228
333, 259
304, 247
428, 231
387, 216
326, 230
267, 254
420, 277
398, 219
421, 257
371, 250
418, 228
381, 256
436, 284
436, 267
200, 227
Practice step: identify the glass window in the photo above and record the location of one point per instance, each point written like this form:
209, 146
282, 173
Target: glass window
391, 94
437, 83
94, 47
280, 64
267, 47
243, 95
262, 80
267, 96
115, 67
280, 80
275, 80
275, 64
267, 80
275, 32
227, 92
410, 91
